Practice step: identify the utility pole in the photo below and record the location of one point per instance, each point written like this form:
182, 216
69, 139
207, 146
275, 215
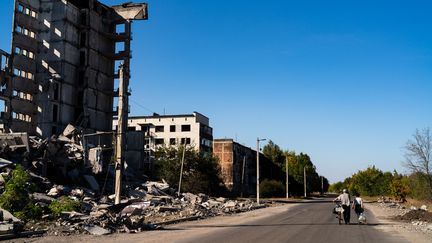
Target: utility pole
181, 169
121, 133
287, 176
242, 178
304, 178
258, 174
258, 167
123, 110
322, 185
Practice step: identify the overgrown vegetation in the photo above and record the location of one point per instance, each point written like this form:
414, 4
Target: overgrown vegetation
16, 197
272, 188
63, 204
417, 185
200, 170
297, 164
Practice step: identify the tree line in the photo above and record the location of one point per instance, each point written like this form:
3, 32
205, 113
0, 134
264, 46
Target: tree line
297, 165
417, 183
201, 171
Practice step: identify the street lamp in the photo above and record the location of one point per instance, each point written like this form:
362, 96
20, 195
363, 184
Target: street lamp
257, 181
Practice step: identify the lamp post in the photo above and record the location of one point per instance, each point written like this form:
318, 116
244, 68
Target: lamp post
287, 177
257, 169
304, 182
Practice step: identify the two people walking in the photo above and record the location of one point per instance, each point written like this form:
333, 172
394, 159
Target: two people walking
345, 200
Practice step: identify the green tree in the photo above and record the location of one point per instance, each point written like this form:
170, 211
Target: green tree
399, 187
201, 172
273, 152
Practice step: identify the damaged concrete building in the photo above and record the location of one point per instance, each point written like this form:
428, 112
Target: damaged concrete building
238, 167
63, 65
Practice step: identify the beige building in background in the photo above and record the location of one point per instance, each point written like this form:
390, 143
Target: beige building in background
164, 130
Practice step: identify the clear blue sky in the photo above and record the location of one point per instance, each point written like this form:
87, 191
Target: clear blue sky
346, 82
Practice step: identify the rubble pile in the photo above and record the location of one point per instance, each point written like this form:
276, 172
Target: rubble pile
411, 217
69, 166
146, 207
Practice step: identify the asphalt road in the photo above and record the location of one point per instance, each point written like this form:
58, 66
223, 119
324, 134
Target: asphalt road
308, 222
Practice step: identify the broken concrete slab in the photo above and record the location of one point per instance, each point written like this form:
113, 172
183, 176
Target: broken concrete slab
96, 230
7, 216
40, 197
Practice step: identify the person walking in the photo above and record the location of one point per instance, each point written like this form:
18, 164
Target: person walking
345, 200
358, 205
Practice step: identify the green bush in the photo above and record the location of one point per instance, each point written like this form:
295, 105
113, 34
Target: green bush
16, 197
272, 188
63, 204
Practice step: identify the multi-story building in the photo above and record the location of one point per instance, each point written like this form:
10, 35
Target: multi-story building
63, 64
238, 167
160, 130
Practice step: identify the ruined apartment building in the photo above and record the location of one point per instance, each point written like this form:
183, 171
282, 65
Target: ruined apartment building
238, 167
63, 64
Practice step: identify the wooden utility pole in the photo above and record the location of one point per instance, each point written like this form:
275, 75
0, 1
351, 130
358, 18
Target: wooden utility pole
304, 181
181, 169
123, 110
242, 177
287, 176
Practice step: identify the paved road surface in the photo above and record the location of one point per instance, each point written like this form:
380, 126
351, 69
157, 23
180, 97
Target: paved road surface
303, 222
308, 222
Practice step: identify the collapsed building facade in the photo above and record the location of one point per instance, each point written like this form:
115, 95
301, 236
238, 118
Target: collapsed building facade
62, 68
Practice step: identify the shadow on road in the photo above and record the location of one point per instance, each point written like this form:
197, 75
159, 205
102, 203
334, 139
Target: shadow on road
271, 225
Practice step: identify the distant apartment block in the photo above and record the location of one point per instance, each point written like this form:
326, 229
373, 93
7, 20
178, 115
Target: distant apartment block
165, 130
63, 63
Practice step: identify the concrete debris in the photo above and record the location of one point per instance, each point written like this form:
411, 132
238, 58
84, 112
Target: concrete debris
59, 167
96, 230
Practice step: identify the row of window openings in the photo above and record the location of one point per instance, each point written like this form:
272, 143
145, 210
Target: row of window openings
172, 141
27, 11
24, 52
22, 95
184, 128
20, 73
24, 31
21, 117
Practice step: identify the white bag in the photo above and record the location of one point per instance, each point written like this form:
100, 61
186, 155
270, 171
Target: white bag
362, 218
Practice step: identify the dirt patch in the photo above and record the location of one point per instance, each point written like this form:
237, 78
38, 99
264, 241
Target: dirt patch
419, 215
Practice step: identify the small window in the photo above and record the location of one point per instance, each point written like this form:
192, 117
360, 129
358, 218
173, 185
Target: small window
172, 128
32, 34
33, 14
55, 113
27, 11
159, 128
20, 8
185, 141
24, 52
56, 91
159, 141
172, 141
185, 128
30, 76
31, 55
17, 50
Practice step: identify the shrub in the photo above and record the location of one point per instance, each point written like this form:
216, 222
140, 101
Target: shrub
16, 197
63, 204
272, 188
